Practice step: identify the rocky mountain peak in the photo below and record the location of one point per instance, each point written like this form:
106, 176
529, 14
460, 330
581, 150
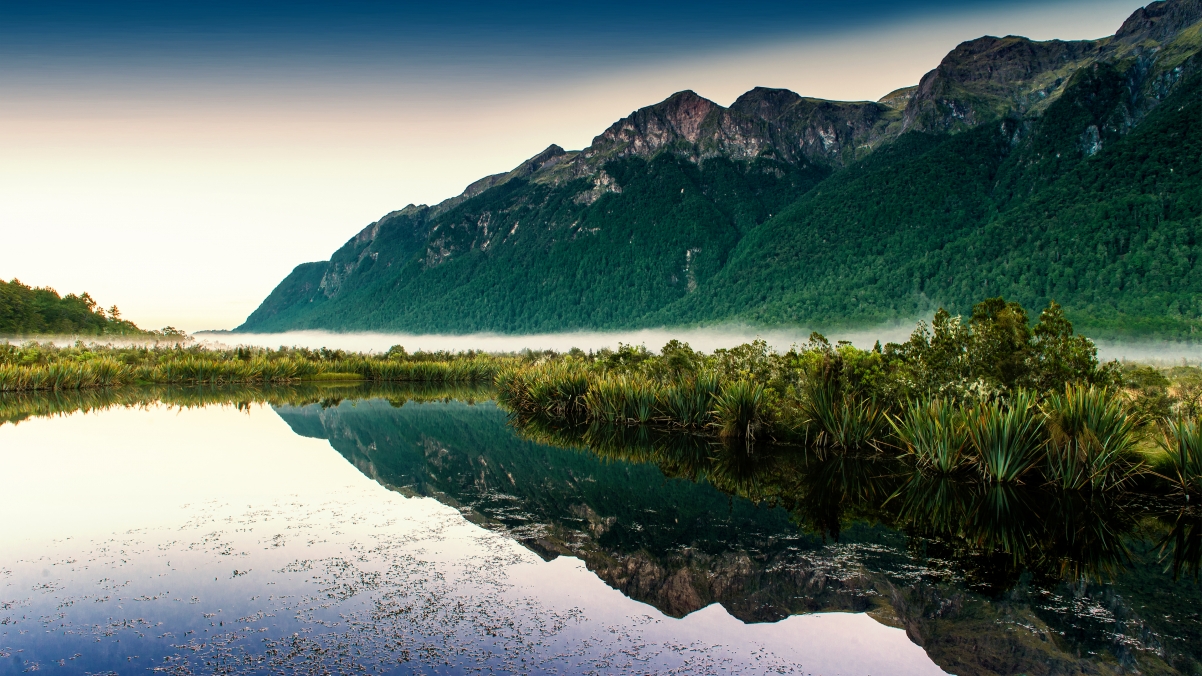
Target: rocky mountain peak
989, 77
647, 130
1159, 21
766, 103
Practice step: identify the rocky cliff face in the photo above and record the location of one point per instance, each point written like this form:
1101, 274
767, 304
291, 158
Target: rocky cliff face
763, 123
990, 77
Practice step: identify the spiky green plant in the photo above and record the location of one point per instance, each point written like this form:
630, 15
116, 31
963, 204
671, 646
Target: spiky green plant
641, 397
738, 408
689, 403
621, 399
1007, 438
1182, 439
1091, 439
840, 420
935, 434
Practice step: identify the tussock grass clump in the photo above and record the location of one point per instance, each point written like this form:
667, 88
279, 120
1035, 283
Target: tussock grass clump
1182, 439
739, 408
690, 403
621, 399
840, 420
1007, 438
936, 434
1091, 439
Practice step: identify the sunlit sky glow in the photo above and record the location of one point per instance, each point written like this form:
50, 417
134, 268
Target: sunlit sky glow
178, 159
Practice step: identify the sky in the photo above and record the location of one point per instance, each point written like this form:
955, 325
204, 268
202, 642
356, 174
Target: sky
178, 159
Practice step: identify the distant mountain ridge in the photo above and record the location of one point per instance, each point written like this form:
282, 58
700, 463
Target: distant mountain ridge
782, 209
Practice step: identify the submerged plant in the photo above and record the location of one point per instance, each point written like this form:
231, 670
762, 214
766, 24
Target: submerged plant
935, 432
1091, 439
1006, 437
1182, 439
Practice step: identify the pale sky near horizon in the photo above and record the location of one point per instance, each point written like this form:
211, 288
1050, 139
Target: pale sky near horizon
181, 175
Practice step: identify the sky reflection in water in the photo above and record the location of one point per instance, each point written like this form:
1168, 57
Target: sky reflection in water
216, 539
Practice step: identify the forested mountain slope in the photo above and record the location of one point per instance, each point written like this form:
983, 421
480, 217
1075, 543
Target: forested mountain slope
1054, 170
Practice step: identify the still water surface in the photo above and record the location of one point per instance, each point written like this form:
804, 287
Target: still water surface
386, 533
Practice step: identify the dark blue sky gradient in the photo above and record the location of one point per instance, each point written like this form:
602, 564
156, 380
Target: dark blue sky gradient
457, 30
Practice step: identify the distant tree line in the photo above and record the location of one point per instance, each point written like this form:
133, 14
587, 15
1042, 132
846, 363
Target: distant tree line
26, 310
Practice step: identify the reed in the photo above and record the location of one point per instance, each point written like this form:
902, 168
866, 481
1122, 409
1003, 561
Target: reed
1006, 437
1091, 439
1182, 439
467, 370
936, 435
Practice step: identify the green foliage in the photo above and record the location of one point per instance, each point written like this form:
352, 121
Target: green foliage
31, 311
936, 434
36, 366
1091, 439
1148, 389
1182, 439
1006, 437
690, 401
738, 408
997, 352
835, 416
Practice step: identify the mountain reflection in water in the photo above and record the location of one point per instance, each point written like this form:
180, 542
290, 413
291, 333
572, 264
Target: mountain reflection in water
988, 579
130, 535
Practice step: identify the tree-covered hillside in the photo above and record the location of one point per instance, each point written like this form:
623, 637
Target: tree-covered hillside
527, 256
1035, 170
1108, 226
28, 311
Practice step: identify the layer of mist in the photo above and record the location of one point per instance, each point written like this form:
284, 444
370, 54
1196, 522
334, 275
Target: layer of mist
704, 339
99, 341
1156, 352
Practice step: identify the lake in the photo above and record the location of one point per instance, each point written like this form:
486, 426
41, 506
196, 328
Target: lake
367, 529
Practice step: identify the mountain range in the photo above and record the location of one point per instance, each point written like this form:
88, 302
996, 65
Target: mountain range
1058, 170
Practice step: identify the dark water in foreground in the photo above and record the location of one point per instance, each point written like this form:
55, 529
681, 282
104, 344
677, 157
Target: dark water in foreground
387, 535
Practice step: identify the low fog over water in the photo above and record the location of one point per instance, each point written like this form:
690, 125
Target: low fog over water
704, 339
1161, 352
1158, 352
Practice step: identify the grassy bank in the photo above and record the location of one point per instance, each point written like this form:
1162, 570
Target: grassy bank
43, 367
16, 407
990, 397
